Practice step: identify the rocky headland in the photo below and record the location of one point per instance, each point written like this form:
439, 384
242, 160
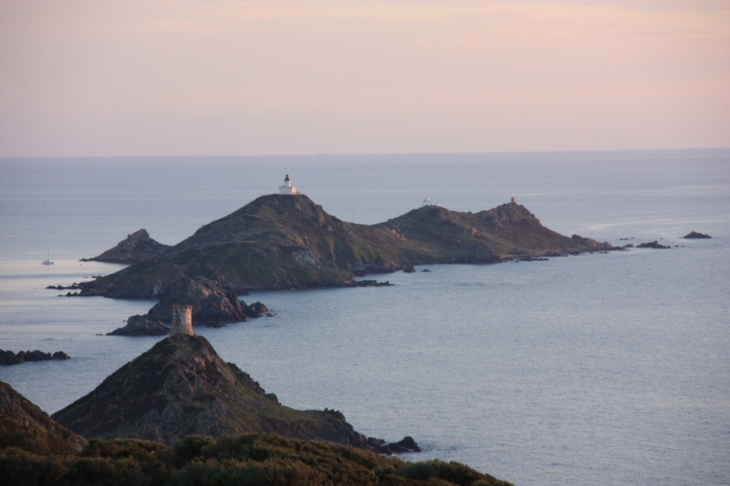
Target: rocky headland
182, 387
178, 414
10, 358
134, 248
281, 242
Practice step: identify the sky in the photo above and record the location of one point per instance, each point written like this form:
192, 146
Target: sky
118, 78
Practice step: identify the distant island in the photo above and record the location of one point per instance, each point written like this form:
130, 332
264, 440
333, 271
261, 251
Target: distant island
287, 241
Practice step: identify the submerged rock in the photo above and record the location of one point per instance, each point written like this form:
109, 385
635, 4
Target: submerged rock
371, 283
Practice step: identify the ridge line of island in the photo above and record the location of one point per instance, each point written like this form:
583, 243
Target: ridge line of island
280, 242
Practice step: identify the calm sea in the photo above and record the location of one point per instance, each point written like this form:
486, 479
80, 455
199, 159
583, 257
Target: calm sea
588, 370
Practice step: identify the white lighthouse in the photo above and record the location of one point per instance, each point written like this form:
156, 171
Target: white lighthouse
287, 188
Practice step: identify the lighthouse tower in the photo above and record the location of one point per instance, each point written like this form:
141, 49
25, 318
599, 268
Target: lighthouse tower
287, 188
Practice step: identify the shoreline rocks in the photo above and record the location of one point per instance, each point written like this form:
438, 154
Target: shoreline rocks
73, 286
407, 444
10, 358
370, 283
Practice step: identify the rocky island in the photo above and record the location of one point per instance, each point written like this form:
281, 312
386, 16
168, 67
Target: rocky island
694, 235
287, 241
653, 244
10, 358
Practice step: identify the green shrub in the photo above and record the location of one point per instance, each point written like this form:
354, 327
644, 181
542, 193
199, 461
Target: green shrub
245, 459
189, 448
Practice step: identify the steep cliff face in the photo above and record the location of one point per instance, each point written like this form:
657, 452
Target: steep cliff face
24, 425
278, 242
181, 387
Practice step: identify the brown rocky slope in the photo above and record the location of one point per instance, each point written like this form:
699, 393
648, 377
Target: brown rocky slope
182, 387
25, 426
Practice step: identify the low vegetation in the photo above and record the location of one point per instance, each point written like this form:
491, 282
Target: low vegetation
245, 459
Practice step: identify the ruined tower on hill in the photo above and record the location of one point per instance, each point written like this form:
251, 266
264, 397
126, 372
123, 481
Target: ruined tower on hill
182, 320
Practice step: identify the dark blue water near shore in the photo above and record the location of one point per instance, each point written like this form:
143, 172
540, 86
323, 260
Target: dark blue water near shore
589, 370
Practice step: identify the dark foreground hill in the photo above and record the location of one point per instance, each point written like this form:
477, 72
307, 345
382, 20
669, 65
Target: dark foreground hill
253, 460
24, 425
182, 387
281, 242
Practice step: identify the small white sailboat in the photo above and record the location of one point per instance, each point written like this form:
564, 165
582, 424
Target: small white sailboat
48, 261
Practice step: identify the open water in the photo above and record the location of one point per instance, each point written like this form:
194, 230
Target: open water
591, 370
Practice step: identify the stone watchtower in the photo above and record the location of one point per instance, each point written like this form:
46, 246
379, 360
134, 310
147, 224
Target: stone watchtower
182, 320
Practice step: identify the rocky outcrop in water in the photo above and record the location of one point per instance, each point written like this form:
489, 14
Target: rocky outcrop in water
653, 244
134, 248
696, 236
10, 358
181, 387
407, 444
141, 326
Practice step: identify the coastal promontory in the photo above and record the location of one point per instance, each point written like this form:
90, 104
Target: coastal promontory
134, 248
182, 387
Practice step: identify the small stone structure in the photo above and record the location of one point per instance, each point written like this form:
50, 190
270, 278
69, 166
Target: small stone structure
182, 320
514, 200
